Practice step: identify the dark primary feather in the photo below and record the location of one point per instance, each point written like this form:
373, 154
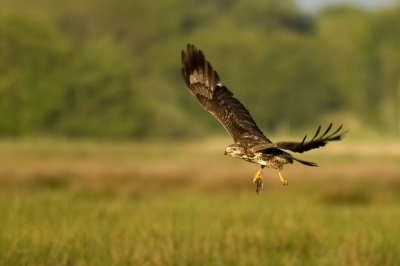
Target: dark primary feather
197, 73
204, 83
300, 147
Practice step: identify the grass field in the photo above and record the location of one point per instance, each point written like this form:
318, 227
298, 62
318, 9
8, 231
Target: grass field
125, 203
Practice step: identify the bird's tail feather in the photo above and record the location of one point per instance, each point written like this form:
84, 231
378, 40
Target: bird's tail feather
306, 163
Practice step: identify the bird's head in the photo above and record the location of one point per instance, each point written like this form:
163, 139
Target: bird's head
234, 151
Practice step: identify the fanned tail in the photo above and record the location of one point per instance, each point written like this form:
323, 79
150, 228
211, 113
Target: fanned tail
306, 163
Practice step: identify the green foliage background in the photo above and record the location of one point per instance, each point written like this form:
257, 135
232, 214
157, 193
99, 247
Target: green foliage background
111, 68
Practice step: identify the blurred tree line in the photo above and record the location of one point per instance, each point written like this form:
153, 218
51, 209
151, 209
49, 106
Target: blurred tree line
111, 68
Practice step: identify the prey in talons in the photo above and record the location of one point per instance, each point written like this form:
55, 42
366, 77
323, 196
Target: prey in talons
257, 179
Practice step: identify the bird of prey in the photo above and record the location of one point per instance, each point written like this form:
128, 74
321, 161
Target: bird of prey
250, 144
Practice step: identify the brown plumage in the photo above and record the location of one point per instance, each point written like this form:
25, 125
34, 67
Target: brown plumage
250, 144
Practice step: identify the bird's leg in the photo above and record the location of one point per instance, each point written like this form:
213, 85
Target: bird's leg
258, 174
283, 180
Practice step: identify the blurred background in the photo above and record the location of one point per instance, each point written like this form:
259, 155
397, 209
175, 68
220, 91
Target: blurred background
107, 159
70, 67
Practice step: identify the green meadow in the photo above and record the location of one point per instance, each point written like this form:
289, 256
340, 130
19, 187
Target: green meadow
128, 203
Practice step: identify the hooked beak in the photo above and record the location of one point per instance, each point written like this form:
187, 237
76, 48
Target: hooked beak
227, 151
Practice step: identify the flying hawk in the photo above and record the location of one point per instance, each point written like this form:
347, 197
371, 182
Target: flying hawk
250, 144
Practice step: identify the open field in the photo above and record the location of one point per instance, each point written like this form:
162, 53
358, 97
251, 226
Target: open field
125, 203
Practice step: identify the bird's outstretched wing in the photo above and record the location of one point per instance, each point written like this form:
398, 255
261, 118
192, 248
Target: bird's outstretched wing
203, 82
300, 147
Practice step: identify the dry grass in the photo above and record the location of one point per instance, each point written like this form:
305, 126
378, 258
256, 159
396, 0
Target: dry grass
93, 203
27, 159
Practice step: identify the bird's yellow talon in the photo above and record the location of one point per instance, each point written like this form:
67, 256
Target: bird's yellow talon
283, 180
257, 176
